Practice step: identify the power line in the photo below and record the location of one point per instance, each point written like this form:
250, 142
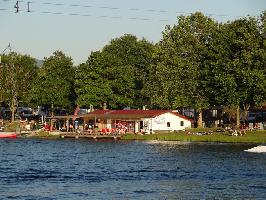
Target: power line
100, 16
18, 10
128, 9
100, 7
17, 6
103, 7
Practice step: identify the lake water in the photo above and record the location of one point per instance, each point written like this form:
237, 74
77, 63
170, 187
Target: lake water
83, 169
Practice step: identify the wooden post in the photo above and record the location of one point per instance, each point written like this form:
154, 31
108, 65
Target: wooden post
67, 125
237, 116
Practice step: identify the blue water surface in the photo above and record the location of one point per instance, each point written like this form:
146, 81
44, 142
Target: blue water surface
84, 169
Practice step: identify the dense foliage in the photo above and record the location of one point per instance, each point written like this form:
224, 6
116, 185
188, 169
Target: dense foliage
54, 84
16, 75
115, 75
197, 64
182, 64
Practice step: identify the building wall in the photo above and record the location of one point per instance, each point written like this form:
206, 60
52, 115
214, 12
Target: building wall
167, 122
163, 122
109, 123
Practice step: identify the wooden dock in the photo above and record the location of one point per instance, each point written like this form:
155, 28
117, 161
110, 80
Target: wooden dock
89, 136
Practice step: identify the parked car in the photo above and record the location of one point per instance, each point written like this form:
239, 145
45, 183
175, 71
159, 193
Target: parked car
24, 112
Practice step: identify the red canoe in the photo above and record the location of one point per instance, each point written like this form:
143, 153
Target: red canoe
8, 135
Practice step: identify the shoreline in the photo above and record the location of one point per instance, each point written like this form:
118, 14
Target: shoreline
167, 142
190, 142
258, 137
150, 141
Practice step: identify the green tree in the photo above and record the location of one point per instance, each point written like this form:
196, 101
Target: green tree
262, 25
240, 74
90, 85
116, 74
17, 73
54, 85
180, 69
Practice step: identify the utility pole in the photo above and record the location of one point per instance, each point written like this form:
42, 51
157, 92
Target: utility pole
16, 7
28, 6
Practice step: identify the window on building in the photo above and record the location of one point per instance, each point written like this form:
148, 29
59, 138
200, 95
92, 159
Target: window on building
182, 123
168, 124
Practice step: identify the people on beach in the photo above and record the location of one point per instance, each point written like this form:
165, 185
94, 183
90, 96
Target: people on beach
71, 127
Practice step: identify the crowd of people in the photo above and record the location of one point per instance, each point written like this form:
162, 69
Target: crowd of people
119, 129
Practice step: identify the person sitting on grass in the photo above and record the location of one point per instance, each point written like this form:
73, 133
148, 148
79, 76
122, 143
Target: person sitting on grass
256, 126
234, 133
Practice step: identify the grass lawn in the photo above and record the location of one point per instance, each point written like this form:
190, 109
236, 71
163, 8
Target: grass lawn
250, 137
45, 134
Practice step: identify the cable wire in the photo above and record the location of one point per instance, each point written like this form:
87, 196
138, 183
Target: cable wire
112, 8
128, 9
100, 16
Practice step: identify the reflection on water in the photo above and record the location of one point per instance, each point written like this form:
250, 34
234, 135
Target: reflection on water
82, 169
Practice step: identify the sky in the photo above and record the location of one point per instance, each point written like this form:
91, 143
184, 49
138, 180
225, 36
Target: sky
78, 27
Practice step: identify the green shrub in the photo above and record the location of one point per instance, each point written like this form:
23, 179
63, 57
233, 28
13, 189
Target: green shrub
12, 126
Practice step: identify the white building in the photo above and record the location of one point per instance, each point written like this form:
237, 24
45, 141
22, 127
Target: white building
134, 121
168, 121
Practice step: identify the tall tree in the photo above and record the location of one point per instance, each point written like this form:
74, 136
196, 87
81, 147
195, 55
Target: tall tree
240, 75
17, 73
90, 85
54, 85
181, 64
116, 74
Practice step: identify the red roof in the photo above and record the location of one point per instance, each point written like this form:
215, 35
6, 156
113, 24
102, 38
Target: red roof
100, 112
131, 114
182, 116
148, 113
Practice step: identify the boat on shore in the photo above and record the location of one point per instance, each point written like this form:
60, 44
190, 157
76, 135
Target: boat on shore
8, 135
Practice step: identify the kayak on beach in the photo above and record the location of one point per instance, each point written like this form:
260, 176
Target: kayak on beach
8, 135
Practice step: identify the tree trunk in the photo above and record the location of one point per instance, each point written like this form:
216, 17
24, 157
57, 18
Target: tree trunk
237, 116
13, 90
13, 108
199, 121
245, 112
52, 109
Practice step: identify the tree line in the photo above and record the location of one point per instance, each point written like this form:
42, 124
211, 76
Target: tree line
198, 63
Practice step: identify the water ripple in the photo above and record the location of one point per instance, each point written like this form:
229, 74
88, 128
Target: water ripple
81, 169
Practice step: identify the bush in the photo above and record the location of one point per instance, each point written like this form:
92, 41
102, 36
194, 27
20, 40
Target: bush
11, 126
